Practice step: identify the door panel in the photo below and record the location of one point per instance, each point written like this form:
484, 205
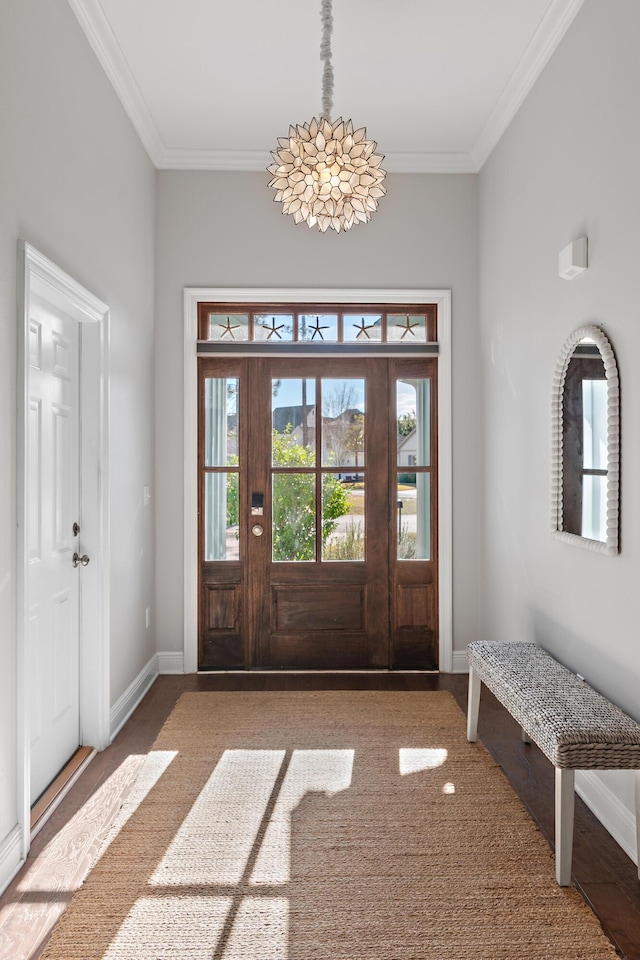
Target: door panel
52, 509
413, 476
316, 565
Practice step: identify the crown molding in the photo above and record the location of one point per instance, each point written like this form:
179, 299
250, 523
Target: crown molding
557, 19
553, 26
97, 29
258, 160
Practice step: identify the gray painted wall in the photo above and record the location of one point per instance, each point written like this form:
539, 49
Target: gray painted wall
567, 167
76, 183
223, 229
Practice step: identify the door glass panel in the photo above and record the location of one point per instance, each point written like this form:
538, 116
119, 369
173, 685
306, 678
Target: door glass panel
318, 327
413, 406
363, 328
343, 519
343, 424
293, 420
220, 421
413, 508
294, 516
273, 327
221, 538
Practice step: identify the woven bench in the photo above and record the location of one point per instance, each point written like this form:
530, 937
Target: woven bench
575, 727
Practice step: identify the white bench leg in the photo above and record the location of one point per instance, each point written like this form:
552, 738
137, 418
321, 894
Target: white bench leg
525, 736
637, 779
565, 804
473, 705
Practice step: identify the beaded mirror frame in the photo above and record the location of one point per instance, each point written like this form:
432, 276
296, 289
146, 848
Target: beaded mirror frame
611, 544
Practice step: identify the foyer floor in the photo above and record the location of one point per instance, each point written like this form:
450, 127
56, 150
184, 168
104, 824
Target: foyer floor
63, 850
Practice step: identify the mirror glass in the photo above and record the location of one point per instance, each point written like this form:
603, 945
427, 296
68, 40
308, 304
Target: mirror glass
587, 432
584, 444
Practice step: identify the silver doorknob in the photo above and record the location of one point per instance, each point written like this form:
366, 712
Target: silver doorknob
77, 559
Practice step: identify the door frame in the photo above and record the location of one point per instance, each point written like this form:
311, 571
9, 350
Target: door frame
195, 295
37, 275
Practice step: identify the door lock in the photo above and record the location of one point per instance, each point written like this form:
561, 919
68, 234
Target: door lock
77, 559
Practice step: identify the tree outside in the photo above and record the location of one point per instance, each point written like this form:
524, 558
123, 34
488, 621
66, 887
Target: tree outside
294, 511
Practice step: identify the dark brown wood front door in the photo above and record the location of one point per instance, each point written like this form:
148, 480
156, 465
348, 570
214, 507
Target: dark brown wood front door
318, 494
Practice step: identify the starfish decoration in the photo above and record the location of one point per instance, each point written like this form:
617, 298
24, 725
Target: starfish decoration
407, 327
318, 329
228, 328
273, 329
362, 328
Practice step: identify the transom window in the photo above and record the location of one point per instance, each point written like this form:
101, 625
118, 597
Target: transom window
281, 324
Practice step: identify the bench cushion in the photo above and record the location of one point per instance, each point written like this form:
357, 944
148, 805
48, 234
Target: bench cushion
574, 726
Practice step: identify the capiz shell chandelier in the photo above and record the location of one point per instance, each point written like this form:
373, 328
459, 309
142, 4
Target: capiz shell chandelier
324, 172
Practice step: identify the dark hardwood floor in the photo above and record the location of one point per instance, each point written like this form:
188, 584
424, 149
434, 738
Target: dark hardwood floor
63, 850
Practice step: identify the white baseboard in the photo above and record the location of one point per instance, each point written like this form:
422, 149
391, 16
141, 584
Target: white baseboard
11, 858
610, 811
170, 663
127, 703
460, 662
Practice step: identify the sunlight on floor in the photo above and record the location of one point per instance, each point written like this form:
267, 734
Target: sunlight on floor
214, 886
320, 771
413, 760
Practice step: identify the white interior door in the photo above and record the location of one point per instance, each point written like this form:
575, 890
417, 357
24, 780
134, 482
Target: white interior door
53, 507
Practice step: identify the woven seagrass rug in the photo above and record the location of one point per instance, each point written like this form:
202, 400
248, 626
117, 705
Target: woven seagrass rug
323, 826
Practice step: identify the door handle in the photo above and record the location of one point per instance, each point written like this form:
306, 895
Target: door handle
77, 559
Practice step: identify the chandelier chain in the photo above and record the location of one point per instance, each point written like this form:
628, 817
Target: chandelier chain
325, 55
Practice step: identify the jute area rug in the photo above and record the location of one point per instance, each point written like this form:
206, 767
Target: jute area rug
320, 826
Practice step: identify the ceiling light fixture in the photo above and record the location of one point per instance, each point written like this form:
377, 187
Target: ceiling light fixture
324, 172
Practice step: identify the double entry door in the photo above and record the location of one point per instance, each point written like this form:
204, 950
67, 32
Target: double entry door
318, 513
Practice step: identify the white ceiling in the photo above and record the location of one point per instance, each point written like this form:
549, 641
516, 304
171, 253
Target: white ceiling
212, 85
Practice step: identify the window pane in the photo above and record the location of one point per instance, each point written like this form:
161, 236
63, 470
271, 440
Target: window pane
413, 506
594, 425
343, 519
221, 531
318, 327
343, 424
293, 421
273, 327
364, 329
413, 407
408, 328
294, 516
221, 421
225, 326
594, 507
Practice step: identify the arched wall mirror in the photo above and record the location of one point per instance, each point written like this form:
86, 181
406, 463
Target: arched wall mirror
586, 443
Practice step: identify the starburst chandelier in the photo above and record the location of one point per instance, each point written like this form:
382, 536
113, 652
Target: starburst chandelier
325, 173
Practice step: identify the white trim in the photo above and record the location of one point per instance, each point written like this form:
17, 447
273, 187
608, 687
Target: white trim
98, 32
194, 295
460, 662
609, 809
171, 663
610, 546
37, 275
130, 699
11, 857
553, 26
175, 158
557, 19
